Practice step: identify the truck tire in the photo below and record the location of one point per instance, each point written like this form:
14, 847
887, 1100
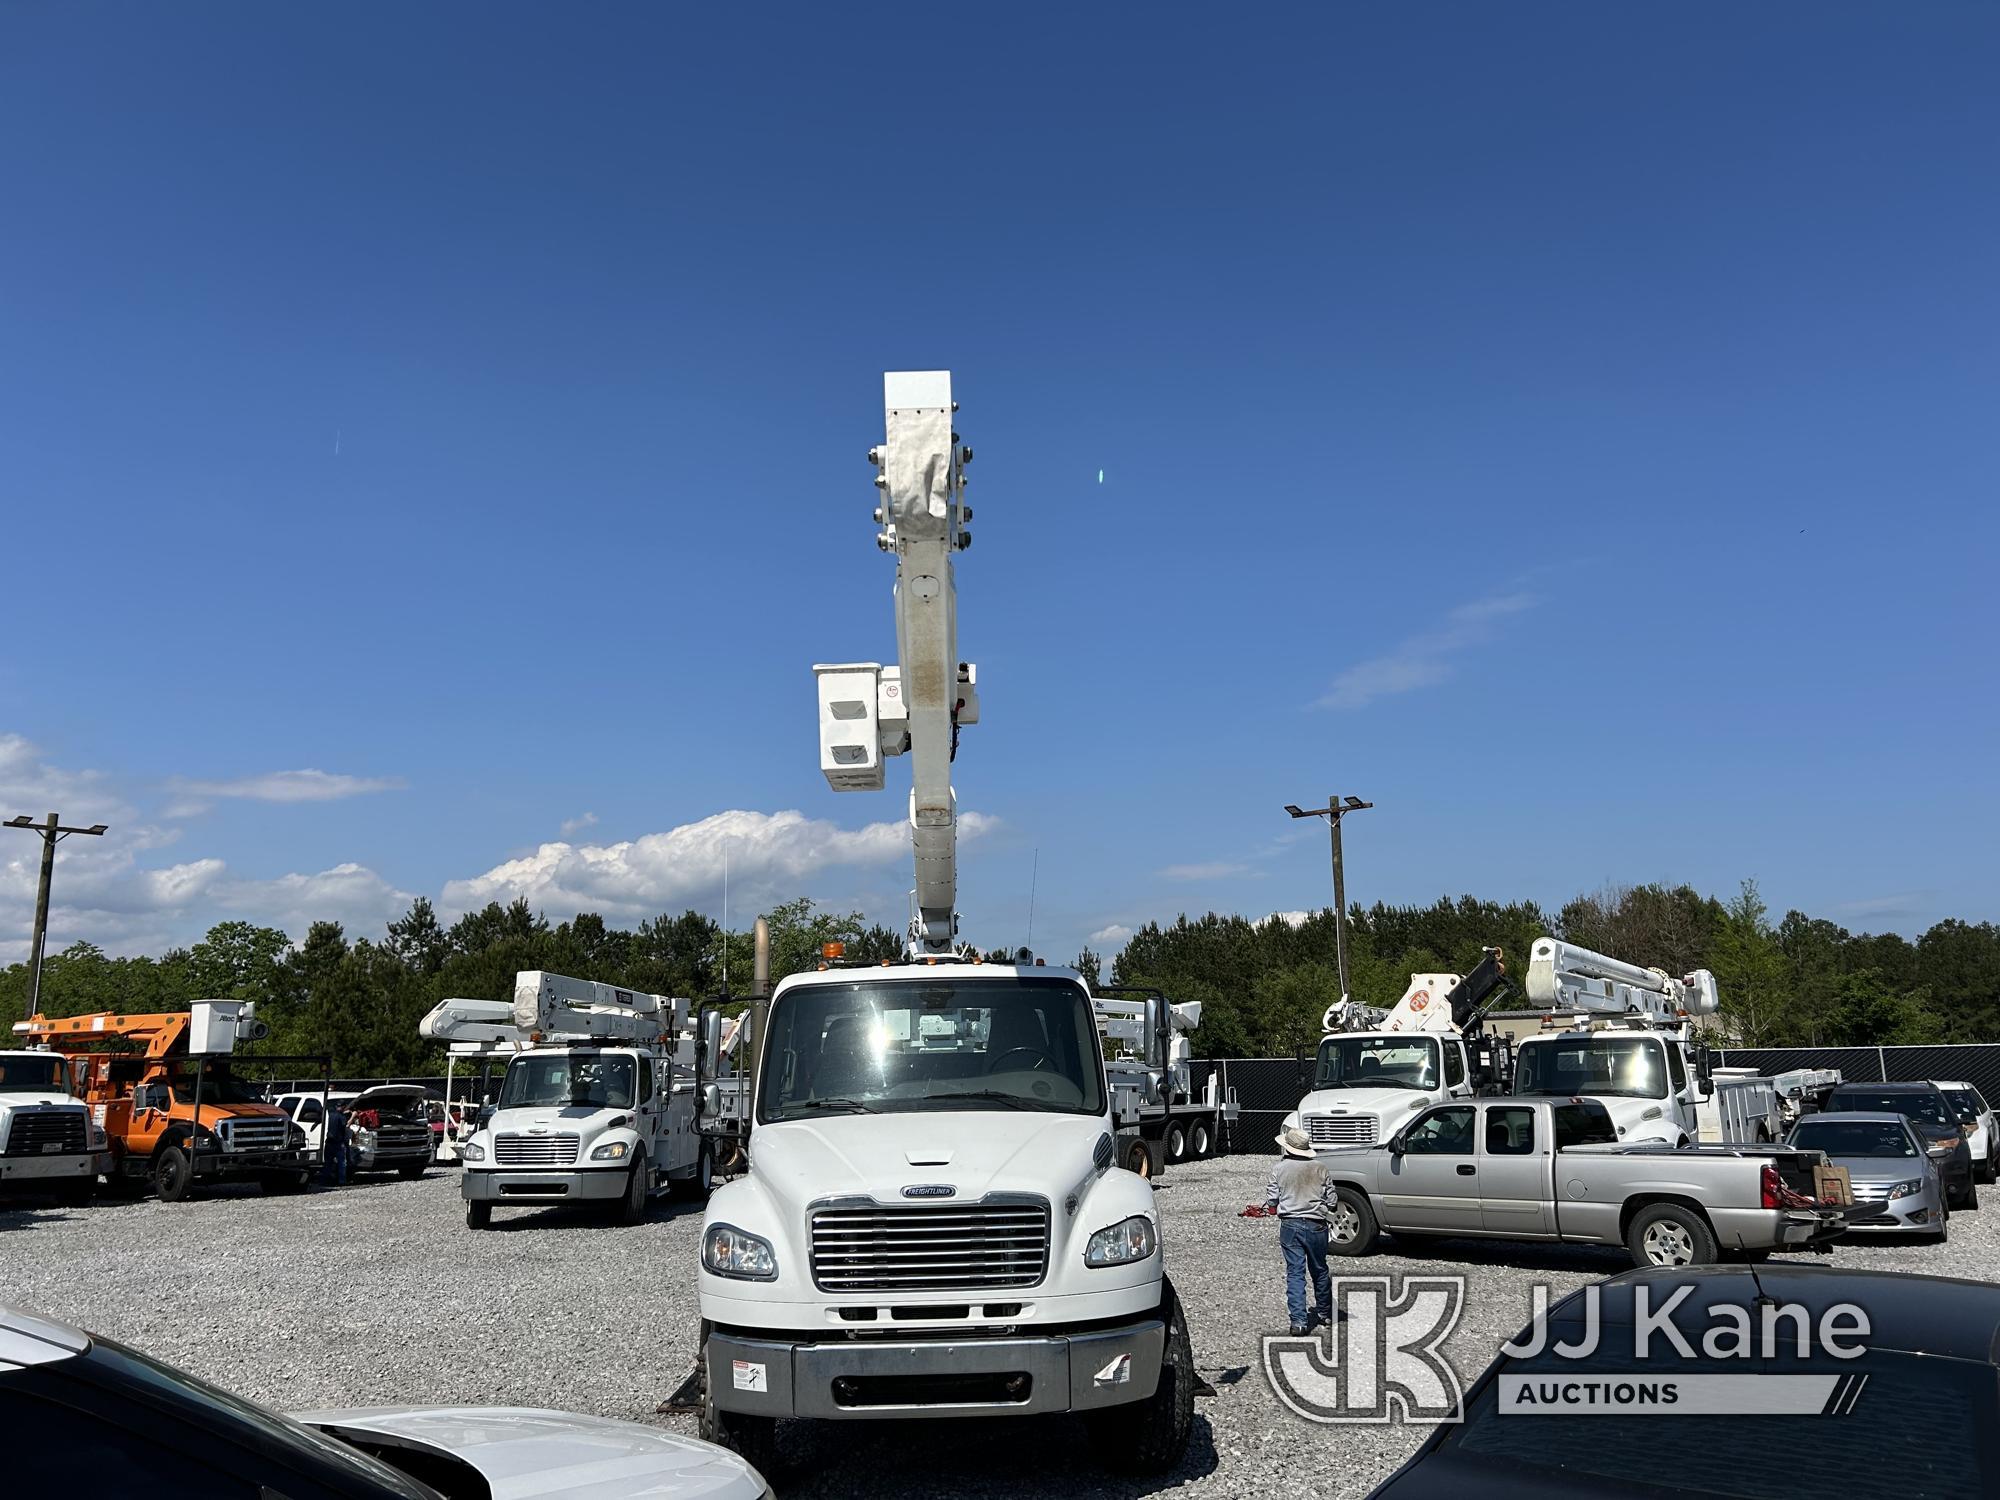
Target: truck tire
1151, 1436
1666, 1234
1201, 1144
752, 1438
173, 1176
1137, 1156
1176, 1141
478, 1215
699, 1183
632, 1207
1352, 1228
412, 1169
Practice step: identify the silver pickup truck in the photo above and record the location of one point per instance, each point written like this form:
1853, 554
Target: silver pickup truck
1551, 1169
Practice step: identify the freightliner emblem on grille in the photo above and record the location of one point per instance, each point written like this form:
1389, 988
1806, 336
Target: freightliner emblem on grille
930, 1190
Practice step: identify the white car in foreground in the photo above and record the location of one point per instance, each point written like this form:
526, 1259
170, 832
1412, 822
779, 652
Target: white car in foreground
108, 1420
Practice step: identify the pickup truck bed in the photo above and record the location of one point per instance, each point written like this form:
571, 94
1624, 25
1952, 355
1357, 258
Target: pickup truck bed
1542, 1170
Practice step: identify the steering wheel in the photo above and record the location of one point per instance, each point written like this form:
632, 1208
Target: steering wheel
1035, 1052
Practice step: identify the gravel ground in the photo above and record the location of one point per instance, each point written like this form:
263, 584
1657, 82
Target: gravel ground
377, 1294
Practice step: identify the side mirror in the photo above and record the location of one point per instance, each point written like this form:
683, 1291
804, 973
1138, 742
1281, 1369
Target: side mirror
711, 1044
1397, 1146
1704, 1071
711, 1101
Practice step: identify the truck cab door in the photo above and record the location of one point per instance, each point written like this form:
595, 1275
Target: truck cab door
1681, 1088
1515, 1180
1433, 1183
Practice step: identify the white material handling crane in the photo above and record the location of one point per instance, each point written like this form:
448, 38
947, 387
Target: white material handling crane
868, 711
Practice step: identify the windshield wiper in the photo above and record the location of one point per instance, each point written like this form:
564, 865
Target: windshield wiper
998, 1096
853, 1106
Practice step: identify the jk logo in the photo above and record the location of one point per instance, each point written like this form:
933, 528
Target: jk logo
1380, 1360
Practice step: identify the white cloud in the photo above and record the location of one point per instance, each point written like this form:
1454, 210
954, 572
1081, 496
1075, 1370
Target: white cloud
1289, 918
767, 856
1421, 660
1108, 940
1215, 870
350, 894
30, 785
288, 786
578, 823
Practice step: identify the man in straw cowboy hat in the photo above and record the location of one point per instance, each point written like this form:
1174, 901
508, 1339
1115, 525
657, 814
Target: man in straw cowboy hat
1302, 1196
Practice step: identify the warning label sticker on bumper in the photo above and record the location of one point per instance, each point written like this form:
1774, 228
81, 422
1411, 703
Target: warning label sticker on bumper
748, 1375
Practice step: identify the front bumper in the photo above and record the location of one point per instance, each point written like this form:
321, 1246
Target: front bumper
525, 1185
1921, 1213
866, 1378
51, 1169
248, 1163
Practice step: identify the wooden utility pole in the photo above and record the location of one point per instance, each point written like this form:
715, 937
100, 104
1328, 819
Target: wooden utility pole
53, 832
1336, 808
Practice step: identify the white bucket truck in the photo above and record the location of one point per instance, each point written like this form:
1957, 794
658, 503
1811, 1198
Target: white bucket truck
933, 1223
1375, 1069
600, 1106
1625, 1035
49, 1141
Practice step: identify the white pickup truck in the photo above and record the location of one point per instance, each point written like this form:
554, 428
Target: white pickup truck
1550, 1169
49, 1143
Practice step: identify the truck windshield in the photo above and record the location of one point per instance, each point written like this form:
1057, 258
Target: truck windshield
1620, 1067
1377, 1062
568, 1080
902, 1045
1855, 1138
32, 1075
218, 1086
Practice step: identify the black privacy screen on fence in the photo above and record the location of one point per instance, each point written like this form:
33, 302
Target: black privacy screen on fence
1269, 1088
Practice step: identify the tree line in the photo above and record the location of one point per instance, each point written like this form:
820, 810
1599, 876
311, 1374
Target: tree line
1801, 981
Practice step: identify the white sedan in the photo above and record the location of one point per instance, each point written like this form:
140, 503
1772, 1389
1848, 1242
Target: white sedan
108, 1420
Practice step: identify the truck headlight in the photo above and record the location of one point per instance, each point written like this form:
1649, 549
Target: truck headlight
473, 1151
295, 1138
1127, 1241
609, 1151
1908, 1189
728, 1251
95, 1134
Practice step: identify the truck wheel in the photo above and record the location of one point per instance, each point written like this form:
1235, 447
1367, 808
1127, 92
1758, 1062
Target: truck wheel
1138, 1156
478, 1215
632, 1207
1151, 1436
1351, 1228
753, 1438
173, 1178
1200, 1143
1177, 1141
1668, 1235
412, 1169
701, 1181
1985, 1172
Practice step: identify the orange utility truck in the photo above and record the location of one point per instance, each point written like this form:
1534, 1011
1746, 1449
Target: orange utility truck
162, 1089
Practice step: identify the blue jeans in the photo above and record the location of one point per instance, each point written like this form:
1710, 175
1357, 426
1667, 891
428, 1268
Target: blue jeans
1304, 1244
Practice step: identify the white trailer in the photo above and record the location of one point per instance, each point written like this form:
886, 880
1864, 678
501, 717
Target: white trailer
933, 1222
600, 1105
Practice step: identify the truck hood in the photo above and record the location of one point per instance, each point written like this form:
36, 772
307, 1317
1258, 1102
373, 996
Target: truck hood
1386, 1103
529, 1454
975, 1152
38, 1100
385, 1093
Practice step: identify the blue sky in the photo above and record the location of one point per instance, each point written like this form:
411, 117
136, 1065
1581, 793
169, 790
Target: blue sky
431, 452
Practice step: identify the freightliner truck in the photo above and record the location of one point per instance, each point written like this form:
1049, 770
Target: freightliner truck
933, 1222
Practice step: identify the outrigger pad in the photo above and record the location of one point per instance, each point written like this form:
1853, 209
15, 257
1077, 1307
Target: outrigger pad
686, 1396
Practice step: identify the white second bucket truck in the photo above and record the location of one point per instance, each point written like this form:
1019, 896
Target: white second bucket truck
932, 1223
1625, 1035
599, 1105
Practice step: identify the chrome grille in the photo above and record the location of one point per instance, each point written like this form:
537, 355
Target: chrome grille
53, 1131
1341, 1130
258, 1134
534, 1150
930, 1247
407, 1138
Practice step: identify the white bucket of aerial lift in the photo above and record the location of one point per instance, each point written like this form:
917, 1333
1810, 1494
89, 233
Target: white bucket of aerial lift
217, 1026
1563, 977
